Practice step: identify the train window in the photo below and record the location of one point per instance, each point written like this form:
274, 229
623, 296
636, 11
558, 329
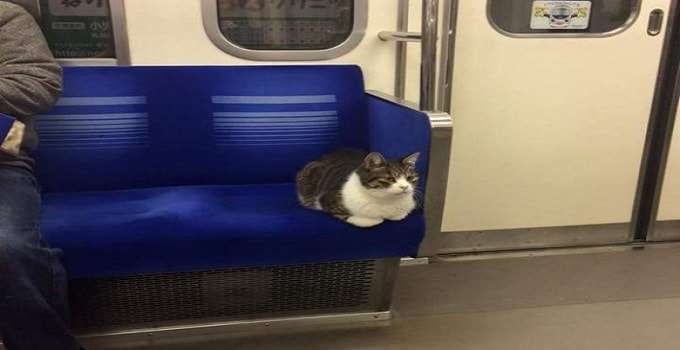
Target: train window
285, 29
588, 18
76, 29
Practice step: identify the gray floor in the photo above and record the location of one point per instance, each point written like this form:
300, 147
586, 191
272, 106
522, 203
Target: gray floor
613, 300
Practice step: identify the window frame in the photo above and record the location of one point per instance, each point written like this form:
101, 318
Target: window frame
120, 41
634, 15
212, 28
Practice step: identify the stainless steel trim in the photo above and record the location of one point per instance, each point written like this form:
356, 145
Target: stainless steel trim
414, 261
396, 100
533, 238
413, 37
668, 230
428, 55
400, 71
437, 173
387, 269
212, 28
88, 61
635, 14
120, 34
437, 180
659, 131
633, 246
249, 325
447, 55
219, 330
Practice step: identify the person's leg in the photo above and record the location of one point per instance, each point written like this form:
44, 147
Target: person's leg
33, 304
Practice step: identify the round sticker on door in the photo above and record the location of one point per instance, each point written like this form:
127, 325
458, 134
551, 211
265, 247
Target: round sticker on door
560, 15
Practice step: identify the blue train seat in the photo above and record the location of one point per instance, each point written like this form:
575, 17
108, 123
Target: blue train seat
169, 169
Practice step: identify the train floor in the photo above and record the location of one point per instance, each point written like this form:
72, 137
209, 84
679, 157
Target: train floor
623, 300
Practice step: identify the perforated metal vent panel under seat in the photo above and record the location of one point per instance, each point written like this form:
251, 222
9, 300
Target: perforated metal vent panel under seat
232, 294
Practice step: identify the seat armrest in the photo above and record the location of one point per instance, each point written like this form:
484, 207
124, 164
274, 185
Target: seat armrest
398, 128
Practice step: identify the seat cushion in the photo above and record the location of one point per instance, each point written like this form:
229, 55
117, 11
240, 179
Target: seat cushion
170, 229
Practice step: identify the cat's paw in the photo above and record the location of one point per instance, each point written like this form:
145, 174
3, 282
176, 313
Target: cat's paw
397, 217
364, 222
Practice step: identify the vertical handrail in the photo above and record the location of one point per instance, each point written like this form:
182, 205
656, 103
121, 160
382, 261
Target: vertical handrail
400, 73
428, 52
447, 55
428, 55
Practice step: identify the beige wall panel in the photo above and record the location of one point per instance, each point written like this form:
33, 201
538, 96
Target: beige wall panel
170, 32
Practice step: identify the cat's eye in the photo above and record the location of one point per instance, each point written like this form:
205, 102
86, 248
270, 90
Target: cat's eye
412, 178
385, 181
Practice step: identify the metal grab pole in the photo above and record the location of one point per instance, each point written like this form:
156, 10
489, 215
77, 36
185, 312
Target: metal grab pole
428, 55
400, 71
446, 58
400, 37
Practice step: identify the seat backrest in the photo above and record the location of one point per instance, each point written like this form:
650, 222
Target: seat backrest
132, 127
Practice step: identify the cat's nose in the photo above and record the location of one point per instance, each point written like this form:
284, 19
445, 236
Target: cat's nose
404, 187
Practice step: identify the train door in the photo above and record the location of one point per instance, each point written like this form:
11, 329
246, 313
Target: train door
551, 101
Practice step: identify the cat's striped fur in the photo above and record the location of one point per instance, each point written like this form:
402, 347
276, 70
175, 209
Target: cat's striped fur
360, 188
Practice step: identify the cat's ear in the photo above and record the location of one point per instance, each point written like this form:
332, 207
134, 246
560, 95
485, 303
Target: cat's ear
411, 160
374, 160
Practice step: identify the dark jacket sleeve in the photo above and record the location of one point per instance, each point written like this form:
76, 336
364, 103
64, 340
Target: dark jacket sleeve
30, 78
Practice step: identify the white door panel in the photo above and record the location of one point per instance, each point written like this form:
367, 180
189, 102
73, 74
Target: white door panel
170, 32
547, 132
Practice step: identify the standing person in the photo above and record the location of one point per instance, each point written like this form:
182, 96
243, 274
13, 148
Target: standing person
33, 304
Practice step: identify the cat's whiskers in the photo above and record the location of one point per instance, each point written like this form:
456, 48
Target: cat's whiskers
419, 198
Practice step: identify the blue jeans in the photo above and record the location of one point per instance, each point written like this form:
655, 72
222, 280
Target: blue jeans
33, 299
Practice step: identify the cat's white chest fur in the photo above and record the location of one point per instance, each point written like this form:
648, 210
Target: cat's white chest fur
368, 210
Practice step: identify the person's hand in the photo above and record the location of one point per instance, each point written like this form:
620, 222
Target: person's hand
11, 135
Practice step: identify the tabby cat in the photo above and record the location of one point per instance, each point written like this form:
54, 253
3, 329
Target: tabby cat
361, 188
